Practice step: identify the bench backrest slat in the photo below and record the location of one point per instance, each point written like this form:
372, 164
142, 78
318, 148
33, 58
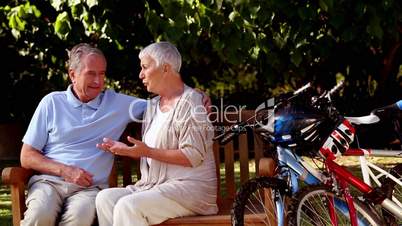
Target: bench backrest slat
258, 152
243, 158
229, 170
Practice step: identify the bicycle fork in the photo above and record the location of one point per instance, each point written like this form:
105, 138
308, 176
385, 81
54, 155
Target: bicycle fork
291, 169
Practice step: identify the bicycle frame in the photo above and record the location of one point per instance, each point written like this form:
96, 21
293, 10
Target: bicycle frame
344, 178
394, 205
368, 167
292, 168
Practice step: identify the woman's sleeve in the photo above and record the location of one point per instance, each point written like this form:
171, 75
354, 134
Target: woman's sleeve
195, 136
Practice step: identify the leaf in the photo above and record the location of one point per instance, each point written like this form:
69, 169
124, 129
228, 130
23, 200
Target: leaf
12, 23
20, 23
73, 2
118, 45
15, 21
326, 5
233, 15
374, 27
254, 52
296, 58
21, 11
36, 12
92, 3
57, 4
360, 9
219, 4
76, 11
16, 33
62, 25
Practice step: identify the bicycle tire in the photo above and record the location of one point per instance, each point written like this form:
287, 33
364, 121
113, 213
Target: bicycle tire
393, 191
250, 204
308, 207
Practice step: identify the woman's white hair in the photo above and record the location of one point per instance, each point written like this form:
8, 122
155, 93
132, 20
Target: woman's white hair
163, 53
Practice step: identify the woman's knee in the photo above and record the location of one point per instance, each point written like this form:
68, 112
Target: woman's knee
101, 198
109, 197
127, 204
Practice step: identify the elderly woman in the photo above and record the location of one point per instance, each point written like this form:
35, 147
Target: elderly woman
177, 163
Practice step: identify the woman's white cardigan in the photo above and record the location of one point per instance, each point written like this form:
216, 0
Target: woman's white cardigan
188, 129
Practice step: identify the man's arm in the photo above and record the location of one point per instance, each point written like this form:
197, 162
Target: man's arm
206, 100
33, 159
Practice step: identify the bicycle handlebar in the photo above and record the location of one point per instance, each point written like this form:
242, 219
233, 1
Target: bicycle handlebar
389, 111
240, 127
234, 130
335, 89
302, 89
399, 104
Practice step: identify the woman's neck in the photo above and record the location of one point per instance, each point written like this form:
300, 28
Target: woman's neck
169, 98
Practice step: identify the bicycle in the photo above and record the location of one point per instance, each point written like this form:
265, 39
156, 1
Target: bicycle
264, 200
387, 194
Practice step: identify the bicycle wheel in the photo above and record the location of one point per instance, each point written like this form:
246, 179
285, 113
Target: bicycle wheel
393, 191
310, 207
254, 203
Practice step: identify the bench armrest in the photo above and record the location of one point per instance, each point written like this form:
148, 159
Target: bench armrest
17, 178
15, 175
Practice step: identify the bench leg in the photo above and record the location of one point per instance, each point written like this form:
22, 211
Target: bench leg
18, 202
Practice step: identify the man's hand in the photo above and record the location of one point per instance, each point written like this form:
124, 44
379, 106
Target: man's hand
32, 158
206, 100
77, 176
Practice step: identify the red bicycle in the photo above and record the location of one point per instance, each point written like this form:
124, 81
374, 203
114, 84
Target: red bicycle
333, 202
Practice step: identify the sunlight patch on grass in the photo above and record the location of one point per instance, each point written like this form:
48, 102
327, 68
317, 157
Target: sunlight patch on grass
5, 206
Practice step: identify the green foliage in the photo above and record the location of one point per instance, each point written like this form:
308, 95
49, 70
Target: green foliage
62, 25
241, 50
283, 42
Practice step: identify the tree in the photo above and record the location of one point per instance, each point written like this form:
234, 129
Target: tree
263, 45
241, 50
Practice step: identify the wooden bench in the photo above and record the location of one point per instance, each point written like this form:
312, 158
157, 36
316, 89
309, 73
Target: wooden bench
238, 149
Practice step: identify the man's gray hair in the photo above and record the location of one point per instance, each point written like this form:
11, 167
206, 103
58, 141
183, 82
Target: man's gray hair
163, 53
77, 52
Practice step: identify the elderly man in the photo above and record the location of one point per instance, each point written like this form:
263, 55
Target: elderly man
61, 139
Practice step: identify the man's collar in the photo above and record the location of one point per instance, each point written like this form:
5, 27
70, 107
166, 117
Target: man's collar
75, 102
95, 102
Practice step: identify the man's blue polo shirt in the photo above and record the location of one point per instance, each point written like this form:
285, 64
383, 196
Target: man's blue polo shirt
66, 130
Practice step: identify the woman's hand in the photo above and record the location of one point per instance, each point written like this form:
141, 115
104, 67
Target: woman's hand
114, 147
139, 148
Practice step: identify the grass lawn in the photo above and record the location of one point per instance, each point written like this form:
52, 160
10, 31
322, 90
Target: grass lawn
350, 162
5, 206
5, 203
